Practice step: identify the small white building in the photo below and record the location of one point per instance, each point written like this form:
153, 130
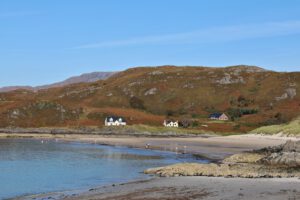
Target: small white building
171, 123
114, 121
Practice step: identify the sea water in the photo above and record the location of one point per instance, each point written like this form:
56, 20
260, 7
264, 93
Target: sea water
29, 166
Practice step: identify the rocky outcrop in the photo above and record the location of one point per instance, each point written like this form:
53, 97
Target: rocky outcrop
157, 72
289, 93
290, 159
291, 146
280, 161
223, 170
228, 79
151, 91
286, 155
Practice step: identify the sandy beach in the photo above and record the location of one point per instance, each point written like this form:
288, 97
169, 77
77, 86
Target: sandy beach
180, 188
183, 188
214, 147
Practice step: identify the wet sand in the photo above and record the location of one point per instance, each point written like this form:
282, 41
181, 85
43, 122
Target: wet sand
201, 188
184, 188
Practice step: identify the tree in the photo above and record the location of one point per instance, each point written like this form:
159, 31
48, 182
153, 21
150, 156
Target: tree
170, 113
184, 123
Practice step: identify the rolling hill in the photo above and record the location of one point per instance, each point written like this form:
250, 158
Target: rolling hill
251, 96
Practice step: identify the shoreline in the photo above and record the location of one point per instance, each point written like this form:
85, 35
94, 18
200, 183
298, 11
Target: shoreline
213, 148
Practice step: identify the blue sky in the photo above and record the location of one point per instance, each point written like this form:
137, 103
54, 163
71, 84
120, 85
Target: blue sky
47, 41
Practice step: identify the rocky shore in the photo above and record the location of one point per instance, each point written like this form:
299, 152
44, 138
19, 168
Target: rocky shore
279, 161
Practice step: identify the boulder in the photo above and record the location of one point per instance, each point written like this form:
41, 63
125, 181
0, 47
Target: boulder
291, 146
289, 159
286, 155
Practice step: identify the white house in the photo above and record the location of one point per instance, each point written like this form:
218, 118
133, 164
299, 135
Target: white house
170, 123
114, 121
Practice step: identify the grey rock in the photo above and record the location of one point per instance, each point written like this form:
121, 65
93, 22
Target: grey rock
151, 91
291, 92
290, 159
157, 72
287, 155
228, 79
291, 146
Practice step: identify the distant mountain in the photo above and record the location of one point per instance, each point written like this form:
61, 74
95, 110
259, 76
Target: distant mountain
84, 78
12, 88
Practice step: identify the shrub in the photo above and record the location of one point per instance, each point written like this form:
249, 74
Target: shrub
137, 103
170, 113
195, 123
96, 116
235, 113
184, 123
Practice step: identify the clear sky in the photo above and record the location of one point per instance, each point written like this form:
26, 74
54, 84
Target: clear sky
44, 41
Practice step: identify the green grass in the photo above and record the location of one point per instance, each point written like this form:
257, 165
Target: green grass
218, 122
292, 128
161, 130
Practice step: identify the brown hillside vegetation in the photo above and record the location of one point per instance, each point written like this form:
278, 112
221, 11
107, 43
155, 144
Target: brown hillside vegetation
251, 96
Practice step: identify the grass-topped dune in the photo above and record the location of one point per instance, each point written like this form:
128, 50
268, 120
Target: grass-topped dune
290, 129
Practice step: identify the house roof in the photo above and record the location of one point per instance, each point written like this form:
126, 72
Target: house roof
170, 120
115, 118
215, 115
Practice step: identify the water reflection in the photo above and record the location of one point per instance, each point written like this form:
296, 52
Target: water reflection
33, 166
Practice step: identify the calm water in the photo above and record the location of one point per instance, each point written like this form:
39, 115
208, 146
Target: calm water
29, 166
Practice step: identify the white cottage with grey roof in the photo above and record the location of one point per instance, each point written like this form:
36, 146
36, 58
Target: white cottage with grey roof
170, 123
114, 121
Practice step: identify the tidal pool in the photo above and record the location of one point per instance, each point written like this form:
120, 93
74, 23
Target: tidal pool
29, 166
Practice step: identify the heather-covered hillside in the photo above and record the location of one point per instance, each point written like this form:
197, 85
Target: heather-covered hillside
251, 96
